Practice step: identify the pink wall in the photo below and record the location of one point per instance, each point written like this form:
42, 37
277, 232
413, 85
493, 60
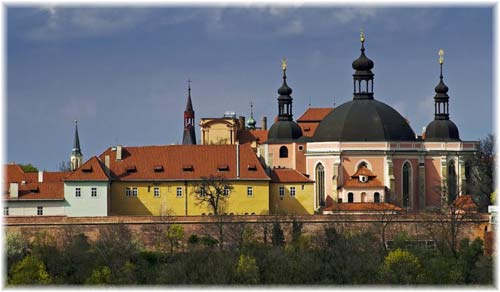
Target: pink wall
328, 165
274, 149
433, 182
398, 175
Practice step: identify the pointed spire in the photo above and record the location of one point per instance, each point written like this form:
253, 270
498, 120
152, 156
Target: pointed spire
76, 142
189, 104
189, 135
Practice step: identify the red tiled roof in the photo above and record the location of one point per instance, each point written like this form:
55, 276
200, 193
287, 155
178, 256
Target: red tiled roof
362, 207
52, 187
248, 136
465, 202
363, 170
315, 114
288, 175
372, 182
92, 170
205, 160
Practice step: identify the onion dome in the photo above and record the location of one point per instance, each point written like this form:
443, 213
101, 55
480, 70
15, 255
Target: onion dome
363, 63
251, 121
442, 128
284, 129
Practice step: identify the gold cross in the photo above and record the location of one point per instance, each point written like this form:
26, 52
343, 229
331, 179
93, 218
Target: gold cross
441, 56
283, 64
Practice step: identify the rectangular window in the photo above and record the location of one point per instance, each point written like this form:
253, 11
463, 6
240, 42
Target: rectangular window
202, 192
157, 192
226, 191
6, 211
93, 192
282, 191
78, 192
179, 192
302, 187
127, 192
39, 210
292, 191
249, 191
134, 192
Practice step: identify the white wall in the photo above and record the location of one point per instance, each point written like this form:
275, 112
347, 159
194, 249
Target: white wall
86, 205
29, 208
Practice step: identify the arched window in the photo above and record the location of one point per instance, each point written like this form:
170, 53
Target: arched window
320, 185
452, 182
350, 198
376, 197
363, 197
468, 178
283, 152
407, 185
363, 164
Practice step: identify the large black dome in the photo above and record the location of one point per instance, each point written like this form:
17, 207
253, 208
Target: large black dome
284, 131
442, 130
364, 120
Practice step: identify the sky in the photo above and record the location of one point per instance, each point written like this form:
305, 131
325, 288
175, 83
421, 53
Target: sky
122, 71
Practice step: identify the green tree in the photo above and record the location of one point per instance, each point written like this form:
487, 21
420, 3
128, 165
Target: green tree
100, 275
174, 236
29, 271
28, 167
247, 271
483, 171
277, 237
401, 267
16, 248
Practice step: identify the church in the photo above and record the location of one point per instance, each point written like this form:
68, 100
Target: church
360, 156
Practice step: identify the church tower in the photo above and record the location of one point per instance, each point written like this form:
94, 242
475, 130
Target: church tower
442, 128
76, 153
189, 137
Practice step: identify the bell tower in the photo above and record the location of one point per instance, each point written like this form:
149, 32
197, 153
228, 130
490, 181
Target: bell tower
76, 153
189, 137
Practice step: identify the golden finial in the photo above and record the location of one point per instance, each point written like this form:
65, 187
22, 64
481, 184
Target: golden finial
283, 64
362, 36
441, 56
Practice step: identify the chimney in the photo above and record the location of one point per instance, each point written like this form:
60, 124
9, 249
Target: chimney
107, 163
118, 152
237, 160
264, 123
14, 190
242, 122
40, 176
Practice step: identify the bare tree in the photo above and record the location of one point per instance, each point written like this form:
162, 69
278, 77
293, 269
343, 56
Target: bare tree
384, 218
65, 166
213, 192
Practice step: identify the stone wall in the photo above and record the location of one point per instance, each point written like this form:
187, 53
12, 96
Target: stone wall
145, 228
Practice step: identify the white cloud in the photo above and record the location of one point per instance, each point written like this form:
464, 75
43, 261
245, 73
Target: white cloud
348, 15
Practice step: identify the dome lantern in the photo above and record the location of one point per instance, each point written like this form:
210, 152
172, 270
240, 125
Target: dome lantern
363, 76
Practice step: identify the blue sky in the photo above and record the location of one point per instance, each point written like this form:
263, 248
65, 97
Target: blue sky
122, 72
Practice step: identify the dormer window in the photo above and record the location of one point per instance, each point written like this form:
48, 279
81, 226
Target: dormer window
130, 168
223, 167
252, 167
363, 178
187, 167
158, 168
87, 168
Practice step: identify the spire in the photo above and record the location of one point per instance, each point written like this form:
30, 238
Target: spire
189, 104
76, 142
284, 99
251, 121
441, 98
363, 77
189, 135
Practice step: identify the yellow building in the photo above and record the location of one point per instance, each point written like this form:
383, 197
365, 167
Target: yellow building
291, 192
221, 130
165, 180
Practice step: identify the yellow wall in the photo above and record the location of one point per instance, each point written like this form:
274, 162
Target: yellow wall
218, 131
169, 204
301, 204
